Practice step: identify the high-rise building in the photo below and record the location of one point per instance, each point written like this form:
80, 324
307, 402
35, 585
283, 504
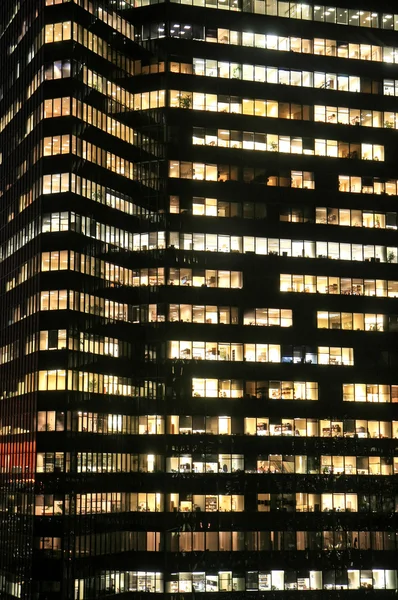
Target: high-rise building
199, 283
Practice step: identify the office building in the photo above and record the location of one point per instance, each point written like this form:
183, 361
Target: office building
199, 283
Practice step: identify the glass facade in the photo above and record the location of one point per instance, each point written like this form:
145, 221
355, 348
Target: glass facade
147, 148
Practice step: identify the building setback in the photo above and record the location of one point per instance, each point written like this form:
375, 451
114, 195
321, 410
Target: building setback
199, 283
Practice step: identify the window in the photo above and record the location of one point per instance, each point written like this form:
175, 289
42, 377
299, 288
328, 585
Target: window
58, 32
361, 392
55, 184
268, 317
335, 356
335, 285
351, 321
50, 421
53, 340
249, 140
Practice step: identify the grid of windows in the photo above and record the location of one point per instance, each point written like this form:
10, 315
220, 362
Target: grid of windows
156, 438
